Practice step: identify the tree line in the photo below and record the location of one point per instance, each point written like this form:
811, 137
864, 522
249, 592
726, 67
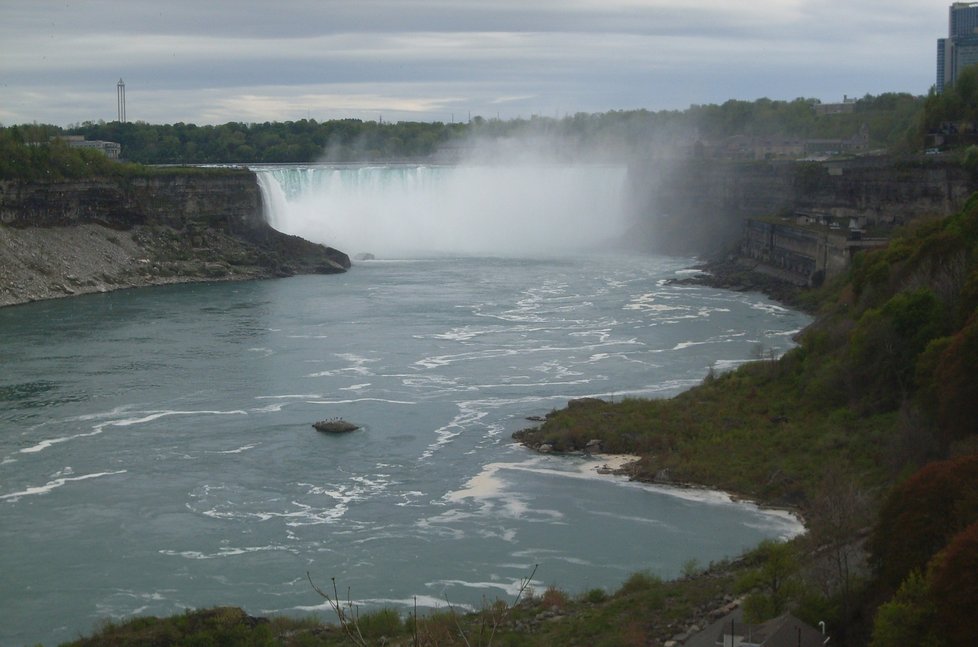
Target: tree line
890, 118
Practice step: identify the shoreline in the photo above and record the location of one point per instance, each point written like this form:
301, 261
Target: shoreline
738, 274
618, 465
42, 263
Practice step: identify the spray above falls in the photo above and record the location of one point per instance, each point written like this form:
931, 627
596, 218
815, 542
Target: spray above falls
403, 211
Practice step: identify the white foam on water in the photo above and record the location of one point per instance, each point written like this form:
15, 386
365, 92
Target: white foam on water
666, 386
422, 601
306, 515
728, 364
784, 522
239, 450
489, 484
226, 502
603, 334
271, 408
410, 498
123, 606
482, 485
635, 519
428, 382
50, 486
511, 587
437, 525
769, 308
51, 442
353, 400
647, 302
689, 344
291, 396
227, 551
141, 418
453, 429
509, 385
439, 361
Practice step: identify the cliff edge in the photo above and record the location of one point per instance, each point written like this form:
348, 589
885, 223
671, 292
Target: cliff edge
60, 238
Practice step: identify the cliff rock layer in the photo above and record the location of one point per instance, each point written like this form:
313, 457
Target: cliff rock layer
698, 206
77, 236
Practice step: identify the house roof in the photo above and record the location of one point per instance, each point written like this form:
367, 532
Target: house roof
784, 631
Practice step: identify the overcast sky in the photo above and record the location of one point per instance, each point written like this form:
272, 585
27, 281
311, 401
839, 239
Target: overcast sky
214, 61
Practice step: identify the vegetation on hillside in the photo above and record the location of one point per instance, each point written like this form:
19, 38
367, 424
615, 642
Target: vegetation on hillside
51, 160
957, 103
34, 154
882, 384
645, 610
951, 117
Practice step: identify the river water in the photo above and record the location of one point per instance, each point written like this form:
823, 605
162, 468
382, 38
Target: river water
156, 448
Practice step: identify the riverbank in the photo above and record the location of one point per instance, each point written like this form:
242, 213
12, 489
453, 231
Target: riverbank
741, 274
39, 263
69, 236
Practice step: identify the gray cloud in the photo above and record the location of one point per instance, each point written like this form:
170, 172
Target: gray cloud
207, 62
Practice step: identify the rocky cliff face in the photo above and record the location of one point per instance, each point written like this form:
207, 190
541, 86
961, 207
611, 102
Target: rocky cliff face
698, 206
224, 198
70, 237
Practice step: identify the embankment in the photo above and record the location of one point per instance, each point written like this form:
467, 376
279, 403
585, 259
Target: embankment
59, 238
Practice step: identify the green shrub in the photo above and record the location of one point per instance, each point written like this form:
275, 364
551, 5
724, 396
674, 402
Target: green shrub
639, 582
595, 596
554, 598
383, 622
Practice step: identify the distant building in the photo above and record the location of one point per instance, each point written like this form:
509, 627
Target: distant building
941, 63
760, 147
960, 49
962, 19
848, 105
112, 150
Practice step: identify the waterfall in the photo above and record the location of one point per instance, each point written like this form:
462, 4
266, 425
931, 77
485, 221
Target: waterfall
403, 211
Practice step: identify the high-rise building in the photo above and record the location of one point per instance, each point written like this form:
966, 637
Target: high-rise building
960, 48
943, 78
962, 19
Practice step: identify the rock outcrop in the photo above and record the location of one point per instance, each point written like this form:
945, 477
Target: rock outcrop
69, 237
698, 206
335, 426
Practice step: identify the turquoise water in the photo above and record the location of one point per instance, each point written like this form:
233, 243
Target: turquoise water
156, 448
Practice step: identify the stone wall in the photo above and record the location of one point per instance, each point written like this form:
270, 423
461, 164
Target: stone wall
805, 255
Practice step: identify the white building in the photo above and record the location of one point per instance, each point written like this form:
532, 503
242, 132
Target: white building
112, 150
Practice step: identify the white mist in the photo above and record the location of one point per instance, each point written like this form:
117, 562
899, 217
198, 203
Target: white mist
405, 211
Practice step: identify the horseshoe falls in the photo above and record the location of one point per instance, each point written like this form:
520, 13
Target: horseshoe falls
157, 450
409, 210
